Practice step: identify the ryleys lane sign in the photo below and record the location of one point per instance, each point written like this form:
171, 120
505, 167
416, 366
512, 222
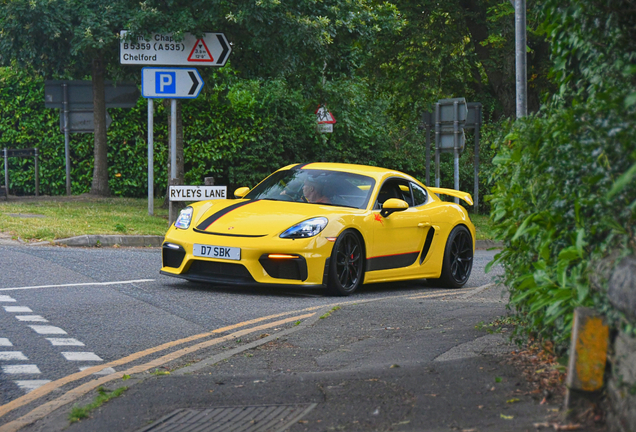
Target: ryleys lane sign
197, 193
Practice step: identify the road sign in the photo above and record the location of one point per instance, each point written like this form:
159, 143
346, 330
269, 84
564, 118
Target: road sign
197, 193
80, 94
82, 121
324, 128
171, 83
323, 116
211, 49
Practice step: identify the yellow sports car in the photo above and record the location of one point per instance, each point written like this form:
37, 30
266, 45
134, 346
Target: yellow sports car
324, 224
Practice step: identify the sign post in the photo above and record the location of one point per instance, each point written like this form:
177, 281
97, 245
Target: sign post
20, 153
151, 163
211, 49
75, 100
67, 138
173, 83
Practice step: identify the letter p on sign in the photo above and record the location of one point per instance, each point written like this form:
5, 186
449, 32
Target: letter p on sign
165, 83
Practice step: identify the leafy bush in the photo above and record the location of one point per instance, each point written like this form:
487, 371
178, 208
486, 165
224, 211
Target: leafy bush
551, 206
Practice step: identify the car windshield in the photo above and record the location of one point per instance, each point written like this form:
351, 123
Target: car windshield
316, 187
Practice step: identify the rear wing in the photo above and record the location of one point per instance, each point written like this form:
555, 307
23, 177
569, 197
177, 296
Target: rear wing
464, 196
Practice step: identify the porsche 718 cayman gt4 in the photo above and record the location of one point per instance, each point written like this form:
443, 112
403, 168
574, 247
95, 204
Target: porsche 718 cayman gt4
324, 224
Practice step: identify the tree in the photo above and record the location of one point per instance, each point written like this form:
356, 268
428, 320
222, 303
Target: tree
76, 38
457, 48
67, 39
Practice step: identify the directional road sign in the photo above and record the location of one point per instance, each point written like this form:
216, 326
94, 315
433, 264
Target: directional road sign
80, 94
211, 49
170, 83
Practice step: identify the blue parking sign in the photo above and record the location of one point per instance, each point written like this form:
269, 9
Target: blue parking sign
165, 82
170, 83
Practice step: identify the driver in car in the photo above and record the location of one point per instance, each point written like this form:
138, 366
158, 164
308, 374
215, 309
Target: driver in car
313, 192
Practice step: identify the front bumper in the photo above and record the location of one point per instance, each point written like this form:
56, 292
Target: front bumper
306, 266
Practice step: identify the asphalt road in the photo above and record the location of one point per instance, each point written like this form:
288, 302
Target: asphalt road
113, 302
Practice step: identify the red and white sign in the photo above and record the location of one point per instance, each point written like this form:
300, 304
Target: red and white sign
200, 52
324, 117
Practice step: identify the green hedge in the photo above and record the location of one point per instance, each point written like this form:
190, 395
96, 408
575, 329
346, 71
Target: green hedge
237, 131
553, 208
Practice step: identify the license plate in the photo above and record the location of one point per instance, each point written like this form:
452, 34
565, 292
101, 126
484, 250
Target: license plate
223, 252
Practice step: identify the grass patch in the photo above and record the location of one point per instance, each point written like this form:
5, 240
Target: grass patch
328, 314
72, 216
84, 215
483, 226
78, 413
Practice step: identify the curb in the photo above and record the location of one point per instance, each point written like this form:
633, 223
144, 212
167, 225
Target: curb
111, 240
488, 244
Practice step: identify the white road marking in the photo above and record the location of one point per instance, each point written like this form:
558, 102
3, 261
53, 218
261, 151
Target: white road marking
5, 342
81, 356
6, 298
12, 355
17, 309
44, 329
21, 369
64, 342
27, 386
105, 371
37, 318
78, 284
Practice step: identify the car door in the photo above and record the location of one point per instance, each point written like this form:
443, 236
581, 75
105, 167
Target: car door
399, 237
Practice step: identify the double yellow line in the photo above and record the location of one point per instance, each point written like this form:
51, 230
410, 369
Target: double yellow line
77, 392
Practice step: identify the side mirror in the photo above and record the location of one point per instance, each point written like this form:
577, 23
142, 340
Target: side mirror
393, 205
241, 192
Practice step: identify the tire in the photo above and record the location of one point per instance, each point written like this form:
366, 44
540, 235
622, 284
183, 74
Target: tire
346, 266
458, 258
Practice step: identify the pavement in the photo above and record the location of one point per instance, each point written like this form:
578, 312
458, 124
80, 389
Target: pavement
420, 362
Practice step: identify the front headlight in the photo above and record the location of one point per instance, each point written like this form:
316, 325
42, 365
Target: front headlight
184, 219
305, 229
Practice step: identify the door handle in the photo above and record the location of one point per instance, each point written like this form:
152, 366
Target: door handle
423, 224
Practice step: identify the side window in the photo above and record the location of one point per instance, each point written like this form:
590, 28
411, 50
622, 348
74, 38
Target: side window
420, 196
394, 188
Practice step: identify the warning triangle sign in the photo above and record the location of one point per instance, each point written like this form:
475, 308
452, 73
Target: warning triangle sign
200, 52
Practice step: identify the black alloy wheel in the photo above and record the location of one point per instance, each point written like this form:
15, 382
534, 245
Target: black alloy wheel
346, 265
458, 258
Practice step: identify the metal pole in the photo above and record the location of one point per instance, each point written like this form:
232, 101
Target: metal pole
521, 58
437, 141
172, 217
151, 125
37, 174
6, 174
456, 147
428, 155
66, 139
476, 163
173, 139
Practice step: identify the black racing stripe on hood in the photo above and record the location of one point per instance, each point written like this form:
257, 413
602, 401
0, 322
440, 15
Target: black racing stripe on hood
229, 235
211, 219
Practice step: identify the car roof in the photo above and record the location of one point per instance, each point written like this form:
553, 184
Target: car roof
367, 170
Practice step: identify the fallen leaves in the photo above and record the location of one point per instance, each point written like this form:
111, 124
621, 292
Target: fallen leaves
558, 426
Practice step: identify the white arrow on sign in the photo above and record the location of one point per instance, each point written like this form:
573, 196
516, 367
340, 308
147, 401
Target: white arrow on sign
170, 83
